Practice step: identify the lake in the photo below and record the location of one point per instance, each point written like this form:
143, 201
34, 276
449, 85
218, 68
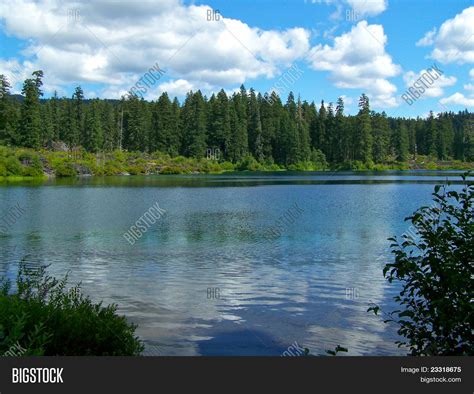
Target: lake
206, 279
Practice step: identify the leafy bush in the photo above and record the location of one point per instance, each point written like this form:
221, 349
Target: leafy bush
32, 171
272, 167
13, 166
65, 169
403, 166
301, 166
248, 163
113, 168
319, 159
34, 166
45, 318
227, 166
120, 156
157, 155
435, 265
431, 166
136, 169
180, 159
172, 170
24, 155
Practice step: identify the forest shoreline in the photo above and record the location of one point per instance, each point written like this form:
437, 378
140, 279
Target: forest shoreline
24, 164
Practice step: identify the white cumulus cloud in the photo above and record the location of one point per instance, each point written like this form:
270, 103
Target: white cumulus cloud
358, 60
433, 90
114, 43
428, 39
454, 41
470, 87
458, 99
368, 7
362, 8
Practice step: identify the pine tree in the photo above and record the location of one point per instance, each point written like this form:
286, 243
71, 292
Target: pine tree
239, 135
176, 128
412, 147
302, 129
194, 125
219, 123
381, 137
93, 133
69, 132
31, 112
46, 123
8, 118
331, 138
134, 125
364, 146
163, 137
445, 136
255, 137
235, 152
420, 132
431, 137
77, 134
109, 127
341, 134
288, 137
267, 118
321, 132
4, 108
401, 140
468, 138
55, 117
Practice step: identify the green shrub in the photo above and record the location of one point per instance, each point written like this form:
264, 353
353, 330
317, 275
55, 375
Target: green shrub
274, 167
227, 166
180, 159
113, 168
319, 159
354, 165
65, 169
13, 166
434, 265
300, 166
431, 166
248, 163
4, 151
157, 155
170, 170
32, 171
34, 167
45, 318
382, 167
120, 156
403, 166
135, 169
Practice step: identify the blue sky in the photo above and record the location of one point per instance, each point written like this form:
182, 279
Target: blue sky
338, 47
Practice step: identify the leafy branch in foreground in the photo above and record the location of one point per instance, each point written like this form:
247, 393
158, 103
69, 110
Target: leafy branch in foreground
45, 318
435, 267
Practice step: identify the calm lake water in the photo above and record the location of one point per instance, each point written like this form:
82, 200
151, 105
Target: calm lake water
204, 280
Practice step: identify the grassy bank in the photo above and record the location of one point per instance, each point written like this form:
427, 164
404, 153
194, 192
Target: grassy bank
20, 164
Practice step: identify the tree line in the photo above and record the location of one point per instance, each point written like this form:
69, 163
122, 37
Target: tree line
240, 125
